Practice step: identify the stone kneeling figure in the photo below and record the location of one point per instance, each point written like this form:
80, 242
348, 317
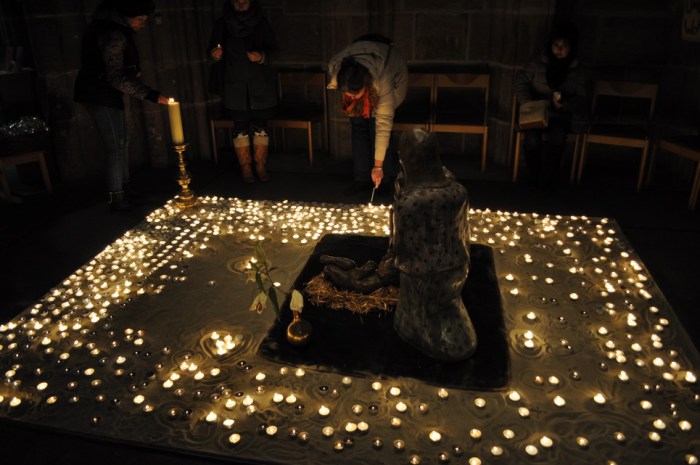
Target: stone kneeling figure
431, 243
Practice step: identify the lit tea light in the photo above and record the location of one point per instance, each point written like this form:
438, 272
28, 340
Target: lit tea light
531, 316
553, 380
271, 430
299, 372
508, 433
475, 433
211, 417
531, 450
260, 377
645, 404
347, 381
514, 396
435, 436
139, 399
582, 442
230, 404
235, 438
685, 425
327, 431
376, 386
572, 296
394, 391
654, 436
690, 459
291, 398
350, 427
362, 427
599, 399
623, 376
474, 461
509, 277
619, 436
524, 412
559, 401
277, 397
659, 424
480, 402
247, 401
690, 377
546, 442
395, 422
442, 393
324, 411
496, 451
401, 407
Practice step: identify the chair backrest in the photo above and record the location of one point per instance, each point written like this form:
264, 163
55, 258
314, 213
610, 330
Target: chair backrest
623, 101
417, 106
464, 94
301, 87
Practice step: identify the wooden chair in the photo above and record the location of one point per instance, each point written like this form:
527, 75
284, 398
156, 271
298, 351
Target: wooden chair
303, 103
516, 132
461, 106
18, 98
21, 158
215, 124
685, 146
621, 112
416, 111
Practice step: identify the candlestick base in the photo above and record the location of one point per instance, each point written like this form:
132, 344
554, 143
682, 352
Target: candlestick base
186, 197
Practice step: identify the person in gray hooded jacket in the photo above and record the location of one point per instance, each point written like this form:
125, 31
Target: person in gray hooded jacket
373, 77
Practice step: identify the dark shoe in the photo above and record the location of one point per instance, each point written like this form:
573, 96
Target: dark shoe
358, 186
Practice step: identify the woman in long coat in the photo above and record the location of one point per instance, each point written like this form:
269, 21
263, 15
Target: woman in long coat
241, 44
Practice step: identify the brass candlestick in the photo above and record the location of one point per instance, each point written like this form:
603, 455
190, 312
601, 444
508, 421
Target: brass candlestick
186, 197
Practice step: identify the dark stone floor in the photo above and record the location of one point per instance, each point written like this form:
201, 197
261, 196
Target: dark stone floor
44, 239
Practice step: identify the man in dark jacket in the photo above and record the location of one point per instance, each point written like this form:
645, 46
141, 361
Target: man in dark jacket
109, 69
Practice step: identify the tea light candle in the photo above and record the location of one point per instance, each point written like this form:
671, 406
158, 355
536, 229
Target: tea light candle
435, 436
599, 399
175, 117
324, 411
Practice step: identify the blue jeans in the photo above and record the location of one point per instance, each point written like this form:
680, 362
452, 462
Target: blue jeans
111, 124
363, 132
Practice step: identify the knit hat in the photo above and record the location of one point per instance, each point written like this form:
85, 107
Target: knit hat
134, 8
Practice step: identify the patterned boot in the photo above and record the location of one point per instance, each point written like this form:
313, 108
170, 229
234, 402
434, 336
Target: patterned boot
242, 145
261, 142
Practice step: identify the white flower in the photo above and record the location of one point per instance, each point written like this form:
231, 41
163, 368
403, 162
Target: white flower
259, 303
297, 301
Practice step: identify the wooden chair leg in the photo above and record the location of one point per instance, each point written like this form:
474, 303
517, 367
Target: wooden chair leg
574, 159
45, 172
642, 165
652, 165
582, 159
214, 150
516, 160
484, 149
695, 190
311, 143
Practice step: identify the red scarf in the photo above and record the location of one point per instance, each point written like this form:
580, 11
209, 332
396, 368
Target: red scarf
362, 106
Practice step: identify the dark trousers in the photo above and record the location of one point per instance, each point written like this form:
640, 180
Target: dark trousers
363, 132
111, 125
544, 150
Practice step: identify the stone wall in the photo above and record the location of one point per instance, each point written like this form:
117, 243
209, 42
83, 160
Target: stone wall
625, 39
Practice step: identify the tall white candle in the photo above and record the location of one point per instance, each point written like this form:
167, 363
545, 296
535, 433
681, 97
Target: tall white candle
175, 122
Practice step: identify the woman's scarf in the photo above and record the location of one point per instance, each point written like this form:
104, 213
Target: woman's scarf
363, 106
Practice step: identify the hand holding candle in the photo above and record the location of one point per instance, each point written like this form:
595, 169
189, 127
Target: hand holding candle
176, 132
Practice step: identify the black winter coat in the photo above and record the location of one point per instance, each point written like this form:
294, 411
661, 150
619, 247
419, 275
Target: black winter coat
246, 85
109, 64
